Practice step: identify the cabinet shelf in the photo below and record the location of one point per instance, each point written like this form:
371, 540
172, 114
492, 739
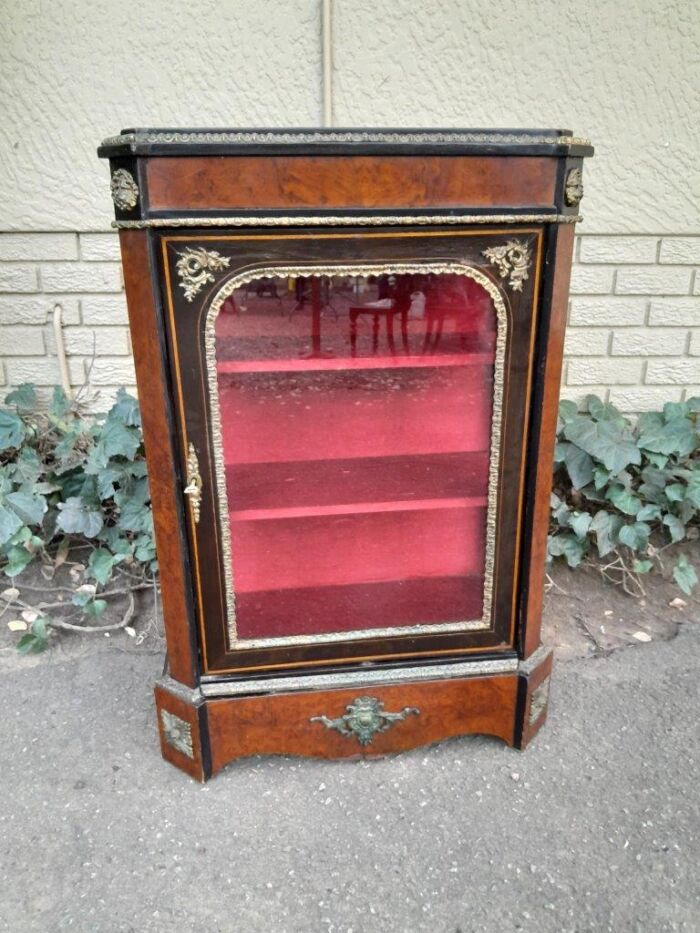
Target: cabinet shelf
361, 484
322, 364
388, 604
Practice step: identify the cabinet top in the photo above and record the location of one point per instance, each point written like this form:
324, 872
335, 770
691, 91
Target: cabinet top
149, 141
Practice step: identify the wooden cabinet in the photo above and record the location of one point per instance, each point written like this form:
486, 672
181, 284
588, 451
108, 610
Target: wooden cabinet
348, 350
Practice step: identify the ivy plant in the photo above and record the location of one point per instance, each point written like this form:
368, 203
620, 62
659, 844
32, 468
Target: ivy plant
73, 484
626, 491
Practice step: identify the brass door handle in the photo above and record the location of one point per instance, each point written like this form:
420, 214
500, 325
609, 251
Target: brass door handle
193, 489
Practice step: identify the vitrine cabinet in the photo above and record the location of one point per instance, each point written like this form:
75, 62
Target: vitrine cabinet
348, 350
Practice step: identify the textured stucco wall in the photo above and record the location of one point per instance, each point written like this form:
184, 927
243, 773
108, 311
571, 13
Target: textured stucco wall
625, 74
75, 71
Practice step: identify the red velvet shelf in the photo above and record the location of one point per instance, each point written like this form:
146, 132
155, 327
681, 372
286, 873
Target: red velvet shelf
323, 364
409, 540
262, 490
375, 413
279, 613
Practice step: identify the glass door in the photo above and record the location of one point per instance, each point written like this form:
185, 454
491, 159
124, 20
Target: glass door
350, 443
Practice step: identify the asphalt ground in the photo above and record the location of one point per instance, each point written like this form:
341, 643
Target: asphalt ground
594, 828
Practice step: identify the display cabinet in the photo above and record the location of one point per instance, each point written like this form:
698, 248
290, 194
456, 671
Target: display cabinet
348, 350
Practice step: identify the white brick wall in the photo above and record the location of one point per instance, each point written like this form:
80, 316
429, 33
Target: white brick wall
640, 340
81, 273
633, 337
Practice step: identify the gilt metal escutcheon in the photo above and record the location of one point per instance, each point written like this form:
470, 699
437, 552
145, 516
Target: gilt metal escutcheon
193, 489
365, 717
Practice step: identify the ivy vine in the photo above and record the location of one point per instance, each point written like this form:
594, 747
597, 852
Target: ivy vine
626, 491
72, 482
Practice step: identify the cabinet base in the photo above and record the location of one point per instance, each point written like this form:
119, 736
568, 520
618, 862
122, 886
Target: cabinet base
202, 734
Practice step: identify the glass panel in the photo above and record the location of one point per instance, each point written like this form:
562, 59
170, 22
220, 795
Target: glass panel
356, 423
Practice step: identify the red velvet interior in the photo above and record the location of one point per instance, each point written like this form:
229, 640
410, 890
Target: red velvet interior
356, 424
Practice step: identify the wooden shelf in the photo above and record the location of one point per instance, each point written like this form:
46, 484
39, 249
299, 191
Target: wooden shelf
259, 491
319, 609
321, 364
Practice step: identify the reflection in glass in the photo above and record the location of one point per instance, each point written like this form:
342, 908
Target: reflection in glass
356, 422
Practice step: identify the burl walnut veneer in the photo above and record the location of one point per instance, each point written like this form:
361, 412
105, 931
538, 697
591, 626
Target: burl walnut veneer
348, 349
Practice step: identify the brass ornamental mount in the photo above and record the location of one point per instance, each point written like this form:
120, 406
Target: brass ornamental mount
196, 267
573, 189
193, 489
512, 260
365, 717
177, 732
125, 191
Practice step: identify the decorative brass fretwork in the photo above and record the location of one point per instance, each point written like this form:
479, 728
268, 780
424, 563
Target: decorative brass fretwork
365, 717
512, 260
277, 137
344, 220
177, 732
125, 191
193, 489
573, 189
538, 701
196, 267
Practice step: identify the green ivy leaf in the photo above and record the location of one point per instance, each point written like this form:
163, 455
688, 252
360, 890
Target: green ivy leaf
604, 440
145, 549
624, 500
12, 429
77, 518
676, 436
642, 566
95, 608
675, 527
675, 410
657, 460
568, 546
603, 411
649, 513
591, 493
567, 411
684, 574
606, 527
119, 440
28, 506
601, 477
126, 409
60, 404
579, 465
17, 559
579, 523
115, 440
675, 492
116, 540
559, 451
106, 480
31, 644
692, 492
27, 468
101, 563
133, 514
635, 536
23, 398
10, 522
686, 511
